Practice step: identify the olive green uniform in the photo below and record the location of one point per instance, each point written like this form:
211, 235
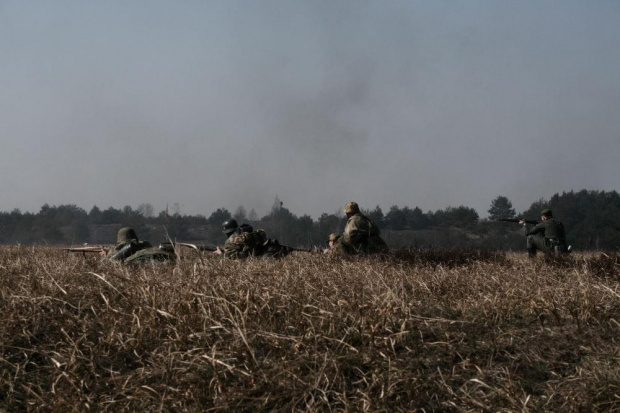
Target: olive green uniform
127, 244
150, 255
361, 236
129, 249
546, 236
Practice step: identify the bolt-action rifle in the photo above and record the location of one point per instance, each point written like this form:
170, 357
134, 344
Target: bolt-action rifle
198, 248
84, 250
527, 221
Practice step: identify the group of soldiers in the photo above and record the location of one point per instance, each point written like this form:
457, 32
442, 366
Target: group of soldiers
360, 236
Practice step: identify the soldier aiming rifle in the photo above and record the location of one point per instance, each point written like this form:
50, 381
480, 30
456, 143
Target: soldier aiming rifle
548, 235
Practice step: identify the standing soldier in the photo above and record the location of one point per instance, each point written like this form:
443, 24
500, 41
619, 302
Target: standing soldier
547, 236
361, 235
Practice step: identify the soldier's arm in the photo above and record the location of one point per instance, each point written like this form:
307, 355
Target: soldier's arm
121, 253
536, 229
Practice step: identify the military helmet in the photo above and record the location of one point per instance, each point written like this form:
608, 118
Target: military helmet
546, 212
351, 208
126, 234
230, 226
334, 237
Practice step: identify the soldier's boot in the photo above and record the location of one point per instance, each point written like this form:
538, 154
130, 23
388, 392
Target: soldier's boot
531, 252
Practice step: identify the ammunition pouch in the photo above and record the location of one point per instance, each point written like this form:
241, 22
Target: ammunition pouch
556, 245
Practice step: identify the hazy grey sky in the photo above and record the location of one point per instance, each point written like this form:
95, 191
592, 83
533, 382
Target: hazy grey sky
225, 103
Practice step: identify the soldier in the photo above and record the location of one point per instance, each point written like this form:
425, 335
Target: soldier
245, 244
129, 249
242, 241
127, 243
228, 228
361, 235
332, 242
547, 236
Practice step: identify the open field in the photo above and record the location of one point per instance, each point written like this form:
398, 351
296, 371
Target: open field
430, 330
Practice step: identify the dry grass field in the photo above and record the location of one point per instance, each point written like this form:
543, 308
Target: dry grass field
431, 330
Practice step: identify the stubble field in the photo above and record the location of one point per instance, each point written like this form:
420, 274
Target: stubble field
430, 330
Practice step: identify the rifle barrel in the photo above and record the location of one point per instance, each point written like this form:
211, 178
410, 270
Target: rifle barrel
527, 221
85, 249
197, 247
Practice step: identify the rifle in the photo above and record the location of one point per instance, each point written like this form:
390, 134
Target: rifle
84, 250
198, 248
527, 221
295, 249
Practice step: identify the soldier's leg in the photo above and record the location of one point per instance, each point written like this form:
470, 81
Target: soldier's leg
535, 243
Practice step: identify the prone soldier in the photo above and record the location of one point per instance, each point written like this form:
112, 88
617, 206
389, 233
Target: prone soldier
244, 242
129, 249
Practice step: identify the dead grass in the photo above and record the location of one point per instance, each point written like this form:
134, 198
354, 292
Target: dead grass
416, 331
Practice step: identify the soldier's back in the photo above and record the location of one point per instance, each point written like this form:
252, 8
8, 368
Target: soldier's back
149, 255
245, 244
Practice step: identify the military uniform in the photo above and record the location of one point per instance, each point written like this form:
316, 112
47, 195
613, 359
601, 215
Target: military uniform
547, 236
360, 235
130, 250
150, 255
333, 238
127, 244
245, 244
332, 244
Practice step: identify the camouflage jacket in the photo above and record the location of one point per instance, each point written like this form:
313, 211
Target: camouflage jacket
244, 245
361, 236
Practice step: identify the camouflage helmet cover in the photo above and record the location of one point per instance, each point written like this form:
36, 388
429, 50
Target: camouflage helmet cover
126, 234
230, 226
351, 208
334, 237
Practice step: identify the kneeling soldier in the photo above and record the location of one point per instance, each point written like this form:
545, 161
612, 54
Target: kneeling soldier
547, 236
360, 235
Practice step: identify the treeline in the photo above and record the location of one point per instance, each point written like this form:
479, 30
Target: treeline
592, 220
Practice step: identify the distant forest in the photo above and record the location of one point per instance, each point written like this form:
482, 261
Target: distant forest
591, 218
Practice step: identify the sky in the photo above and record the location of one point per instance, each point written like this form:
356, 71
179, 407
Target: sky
209, 104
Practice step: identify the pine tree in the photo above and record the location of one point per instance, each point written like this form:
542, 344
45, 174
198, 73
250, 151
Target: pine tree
501, 208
